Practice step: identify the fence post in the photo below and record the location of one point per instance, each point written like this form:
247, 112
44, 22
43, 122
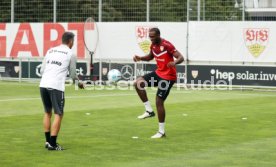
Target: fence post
198, 10
100, 20
187, 42
12, 11
100, 11
55, 11
243, 10
148, 10
100, 71
135, 71
203, 6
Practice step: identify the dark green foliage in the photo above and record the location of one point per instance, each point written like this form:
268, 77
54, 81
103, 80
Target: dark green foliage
118, 10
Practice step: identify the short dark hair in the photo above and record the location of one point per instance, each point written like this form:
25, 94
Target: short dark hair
156, 30
67, 36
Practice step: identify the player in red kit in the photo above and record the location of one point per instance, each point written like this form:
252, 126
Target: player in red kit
163, 77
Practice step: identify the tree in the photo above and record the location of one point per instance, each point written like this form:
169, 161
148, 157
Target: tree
33, 11
5, 11
215, 10
168, 10
117, 10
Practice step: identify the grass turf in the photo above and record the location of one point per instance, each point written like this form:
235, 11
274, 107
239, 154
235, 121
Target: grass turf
204, 128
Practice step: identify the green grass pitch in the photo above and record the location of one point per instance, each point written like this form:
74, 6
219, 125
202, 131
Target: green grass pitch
204, 129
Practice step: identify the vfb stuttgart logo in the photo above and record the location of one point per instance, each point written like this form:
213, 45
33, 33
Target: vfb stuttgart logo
256, 40
142, 37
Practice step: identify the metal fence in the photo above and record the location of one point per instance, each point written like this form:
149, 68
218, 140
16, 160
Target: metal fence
194, 77
136, 10
26, 69
232, 10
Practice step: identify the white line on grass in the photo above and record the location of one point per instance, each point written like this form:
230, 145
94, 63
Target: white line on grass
78, 97
116, 95
67, 97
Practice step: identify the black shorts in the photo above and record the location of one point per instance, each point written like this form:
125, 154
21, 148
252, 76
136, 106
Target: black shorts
52, 98
164, 86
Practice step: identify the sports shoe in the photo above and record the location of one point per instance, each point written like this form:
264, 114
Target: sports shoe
56, 148
47, 144
158, 135
147, 114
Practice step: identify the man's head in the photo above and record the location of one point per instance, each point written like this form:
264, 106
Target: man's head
68, 39
154, 35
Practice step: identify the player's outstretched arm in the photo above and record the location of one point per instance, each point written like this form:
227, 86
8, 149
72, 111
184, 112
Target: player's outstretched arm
179, 59
73, 73
148, 57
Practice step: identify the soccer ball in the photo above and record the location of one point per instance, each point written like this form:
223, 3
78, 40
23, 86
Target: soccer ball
114, 75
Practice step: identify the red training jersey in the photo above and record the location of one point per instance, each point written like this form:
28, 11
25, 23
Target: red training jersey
163, 54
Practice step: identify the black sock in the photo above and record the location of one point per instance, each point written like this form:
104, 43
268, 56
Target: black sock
47, 136
53, 141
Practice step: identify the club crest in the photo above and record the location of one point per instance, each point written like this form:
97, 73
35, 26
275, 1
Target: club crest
256, 40
104, 71
16, 69
194, 73
142, 37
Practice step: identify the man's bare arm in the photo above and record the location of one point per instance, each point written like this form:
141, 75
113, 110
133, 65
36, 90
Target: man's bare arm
179, 59
148, 57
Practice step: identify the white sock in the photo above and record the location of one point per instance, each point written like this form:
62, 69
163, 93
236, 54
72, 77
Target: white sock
148, 106
162, 127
